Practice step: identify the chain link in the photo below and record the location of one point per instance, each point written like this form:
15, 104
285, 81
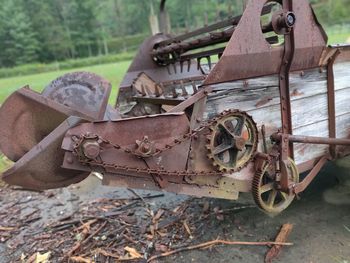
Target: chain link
192, 134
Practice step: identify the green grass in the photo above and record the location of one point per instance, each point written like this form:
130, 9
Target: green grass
4, 163
339, 38
113, 72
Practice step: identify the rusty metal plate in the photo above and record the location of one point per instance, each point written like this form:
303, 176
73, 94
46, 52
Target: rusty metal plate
26, 118
160, 129
248, 54
84, 92
40, 168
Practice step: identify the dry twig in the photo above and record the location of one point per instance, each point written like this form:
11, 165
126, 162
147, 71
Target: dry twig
217, 242
84, 233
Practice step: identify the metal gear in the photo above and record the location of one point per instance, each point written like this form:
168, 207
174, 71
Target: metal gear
233, 141
264, 189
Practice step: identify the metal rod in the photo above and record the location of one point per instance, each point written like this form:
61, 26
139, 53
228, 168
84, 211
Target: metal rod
233, 21
313, 140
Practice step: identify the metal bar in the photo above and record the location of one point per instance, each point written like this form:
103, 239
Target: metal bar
312, 139
182, 47
331, 101
222, 24
226, 23
203, 54
205, 41
289, 48
191, 100
160, 100
300, 187
286, 148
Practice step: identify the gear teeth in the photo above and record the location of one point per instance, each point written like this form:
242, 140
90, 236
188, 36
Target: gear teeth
213, 129
256, 186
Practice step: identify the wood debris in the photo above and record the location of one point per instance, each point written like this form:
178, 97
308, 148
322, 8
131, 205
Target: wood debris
282, 236
110, 229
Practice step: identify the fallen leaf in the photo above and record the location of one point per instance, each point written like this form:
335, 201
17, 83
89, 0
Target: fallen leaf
133, 252
81, 260
42, 258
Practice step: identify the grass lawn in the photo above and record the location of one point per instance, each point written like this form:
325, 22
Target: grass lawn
339, 38
112, 72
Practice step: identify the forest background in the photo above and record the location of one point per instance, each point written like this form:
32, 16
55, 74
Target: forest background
46, 31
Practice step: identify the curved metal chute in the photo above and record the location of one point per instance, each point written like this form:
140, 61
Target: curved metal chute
40, 168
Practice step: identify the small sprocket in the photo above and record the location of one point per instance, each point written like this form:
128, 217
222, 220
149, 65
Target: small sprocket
233, 141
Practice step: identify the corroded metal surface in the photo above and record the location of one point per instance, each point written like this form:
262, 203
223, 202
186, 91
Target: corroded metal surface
40, 168
26, 119
257, 57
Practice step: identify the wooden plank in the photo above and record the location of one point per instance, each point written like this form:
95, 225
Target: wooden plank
259, 97
282, 236
305, 152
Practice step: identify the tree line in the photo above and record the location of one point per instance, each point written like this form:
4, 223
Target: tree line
54, 30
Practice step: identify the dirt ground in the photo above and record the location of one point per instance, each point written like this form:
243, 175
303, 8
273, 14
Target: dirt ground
321, 230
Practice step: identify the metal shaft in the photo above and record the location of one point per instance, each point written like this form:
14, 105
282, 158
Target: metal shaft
313, 140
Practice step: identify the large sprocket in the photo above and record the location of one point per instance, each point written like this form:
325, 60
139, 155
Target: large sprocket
266, 192
233, 141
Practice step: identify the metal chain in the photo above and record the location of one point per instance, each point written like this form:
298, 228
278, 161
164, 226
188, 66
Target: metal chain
193, 133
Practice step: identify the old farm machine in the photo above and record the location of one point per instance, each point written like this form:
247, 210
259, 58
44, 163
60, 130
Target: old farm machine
243, 105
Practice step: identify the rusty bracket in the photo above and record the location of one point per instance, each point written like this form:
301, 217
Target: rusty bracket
331, 102
300, 187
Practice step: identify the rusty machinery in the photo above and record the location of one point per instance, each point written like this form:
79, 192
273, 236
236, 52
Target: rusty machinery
162, 135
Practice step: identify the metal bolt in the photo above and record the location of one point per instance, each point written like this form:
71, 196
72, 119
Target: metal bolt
70, 160
91, 149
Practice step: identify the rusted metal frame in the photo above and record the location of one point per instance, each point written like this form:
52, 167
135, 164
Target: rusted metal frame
196, 118
104, 104
300, 187
197, 113
310, 139
202, 54
222, 24
307, 165
191, 100
159, 100
331, 102
179, 48
286, 149
34, 96
225, 23
212, 52
182, 47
